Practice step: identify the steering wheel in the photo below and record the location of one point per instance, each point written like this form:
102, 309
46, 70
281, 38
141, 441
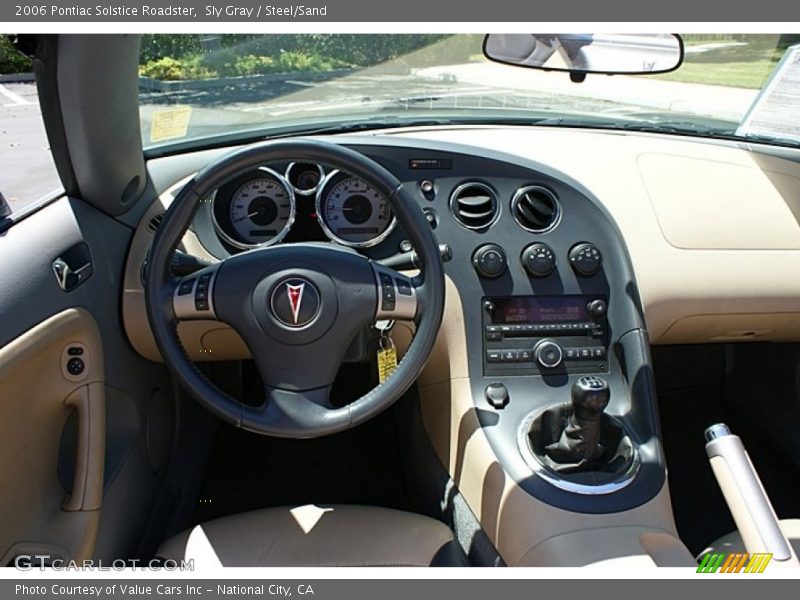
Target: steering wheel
296, 306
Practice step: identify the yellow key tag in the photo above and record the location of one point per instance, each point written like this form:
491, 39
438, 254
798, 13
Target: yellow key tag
387, 359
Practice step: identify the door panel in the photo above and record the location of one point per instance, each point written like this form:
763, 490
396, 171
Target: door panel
80, 457
42, 383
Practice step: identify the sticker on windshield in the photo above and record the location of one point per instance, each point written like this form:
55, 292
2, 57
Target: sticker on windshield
170, 123
774, 111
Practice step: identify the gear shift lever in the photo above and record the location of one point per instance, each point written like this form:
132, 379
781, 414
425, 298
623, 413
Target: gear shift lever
590, 396
578, 439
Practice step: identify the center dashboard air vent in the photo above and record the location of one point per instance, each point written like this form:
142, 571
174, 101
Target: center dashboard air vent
474, 205
535, 208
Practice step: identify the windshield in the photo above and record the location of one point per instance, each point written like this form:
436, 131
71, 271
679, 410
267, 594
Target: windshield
196, 88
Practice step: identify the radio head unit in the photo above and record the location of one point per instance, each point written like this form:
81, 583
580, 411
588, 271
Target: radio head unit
525, 335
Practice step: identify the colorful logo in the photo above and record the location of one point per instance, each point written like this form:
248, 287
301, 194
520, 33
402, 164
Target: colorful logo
734, 562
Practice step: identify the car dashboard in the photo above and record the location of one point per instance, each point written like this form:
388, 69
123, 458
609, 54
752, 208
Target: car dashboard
567, 254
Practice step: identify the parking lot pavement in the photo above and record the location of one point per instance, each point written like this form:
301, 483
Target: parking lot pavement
27, 171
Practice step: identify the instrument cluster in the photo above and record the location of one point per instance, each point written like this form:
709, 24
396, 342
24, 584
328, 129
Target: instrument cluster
303, 202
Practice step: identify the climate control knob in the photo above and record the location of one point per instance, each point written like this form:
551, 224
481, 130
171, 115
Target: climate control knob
585, 259
489, 261
548, 354
539, 259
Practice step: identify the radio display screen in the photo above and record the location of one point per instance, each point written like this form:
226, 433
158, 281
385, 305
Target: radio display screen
540, 309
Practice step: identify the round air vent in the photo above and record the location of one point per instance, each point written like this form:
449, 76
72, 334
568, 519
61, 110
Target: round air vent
535, 208
474, 205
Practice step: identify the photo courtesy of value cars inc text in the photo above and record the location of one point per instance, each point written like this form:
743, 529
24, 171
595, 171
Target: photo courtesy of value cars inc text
173, 589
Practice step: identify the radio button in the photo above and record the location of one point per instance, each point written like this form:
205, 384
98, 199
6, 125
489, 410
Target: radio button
548, 354
570, 353
524, 355
599, 352
597, 308
494, 356
508, 356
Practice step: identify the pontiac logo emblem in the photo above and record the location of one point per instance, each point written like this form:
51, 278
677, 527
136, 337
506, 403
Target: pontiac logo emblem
295, 302
295, 293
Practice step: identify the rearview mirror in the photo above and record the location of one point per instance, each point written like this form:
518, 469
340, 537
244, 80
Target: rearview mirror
611, 54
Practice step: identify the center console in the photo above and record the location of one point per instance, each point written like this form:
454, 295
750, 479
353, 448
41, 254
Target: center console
539, 398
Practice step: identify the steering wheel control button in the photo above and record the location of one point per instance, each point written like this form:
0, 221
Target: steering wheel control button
295, 302
585, 259
201, 292
597, 308
404, 288
186, 287
388, 295
548, 354
489, 261
539, 260
497, 395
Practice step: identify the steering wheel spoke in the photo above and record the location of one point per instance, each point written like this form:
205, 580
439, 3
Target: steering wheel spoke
286, 413
193, 296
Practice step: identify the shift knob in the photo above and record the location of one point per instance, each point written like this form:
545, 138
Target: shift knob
590, 396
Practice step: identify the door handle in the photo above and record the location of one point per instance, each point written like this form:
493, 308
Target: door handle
73, 267
87, 486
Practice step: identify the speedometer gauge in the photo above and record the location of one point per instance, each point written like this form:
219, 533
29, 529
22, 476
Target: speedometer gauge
352, 212
260, 210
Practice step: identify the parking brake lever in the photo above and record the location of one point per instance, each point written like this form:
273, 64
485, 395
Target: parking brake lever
748, 502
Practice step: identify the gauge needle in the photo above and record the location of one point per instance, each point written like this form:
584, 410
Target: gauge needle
250, 216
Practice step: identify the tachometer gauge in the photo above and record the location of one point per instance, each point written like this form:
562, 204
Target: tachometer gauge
352, 212
259, 212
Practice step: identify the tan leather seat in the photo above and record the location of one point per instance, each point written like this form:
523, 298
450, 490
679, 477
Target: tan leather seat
732, 542
324, 536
